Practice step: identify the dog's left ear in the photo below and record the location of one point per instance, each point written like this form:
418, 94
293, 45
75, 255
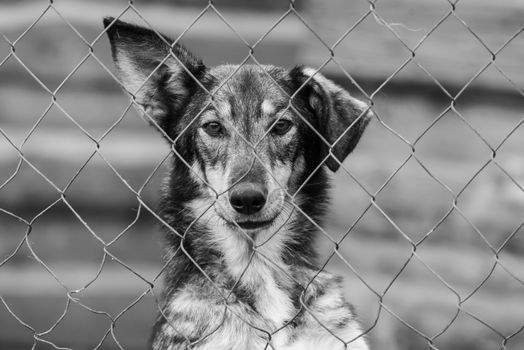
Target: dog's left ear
342, 118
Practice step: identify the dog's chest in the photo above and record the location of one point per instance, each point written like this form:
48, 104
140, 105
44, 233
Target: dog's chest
197, 312
271, 290
263, 275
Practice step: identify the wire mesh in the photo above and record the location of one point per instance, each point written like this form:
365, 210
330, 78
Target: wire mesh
385, 318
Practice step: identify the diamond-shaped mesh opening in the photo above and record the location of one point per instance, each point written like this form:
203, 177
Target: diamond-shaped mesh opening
467, 323
466, 150
143, 311
51, 59
353, 51
89, 98
18, 88
432, 291
405, 214
494, 192
424, 221
481, 25
19, 113
387, 262
57, 245
84, 186
73, 321
480, 117
57, 147
477, 261
34, 200
16, 293
502, 284
437, 60
371, 176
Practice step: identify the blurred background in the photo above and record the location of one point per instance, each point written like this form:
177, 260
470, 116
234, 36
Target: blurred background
428, 211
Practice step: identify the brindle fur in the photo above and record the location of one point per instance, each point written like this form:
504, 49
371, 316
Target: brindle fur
232, 287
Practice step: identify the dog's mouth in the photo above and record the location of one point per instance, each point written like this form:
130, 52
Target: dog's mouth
254, 225
250, 225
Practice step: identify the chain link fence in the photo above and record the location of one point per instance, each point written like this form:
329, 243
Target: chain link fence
426, 213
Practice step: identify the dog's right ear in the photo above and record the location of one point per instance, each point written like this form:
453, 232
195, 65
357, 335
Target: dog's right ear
157, 73
341, 118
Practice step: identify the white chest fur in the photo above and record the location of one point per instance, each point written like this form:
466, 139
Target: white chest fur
258, 270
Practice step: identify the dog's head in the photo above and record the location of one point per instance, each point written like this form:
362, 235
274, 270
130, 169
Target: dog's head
254, 137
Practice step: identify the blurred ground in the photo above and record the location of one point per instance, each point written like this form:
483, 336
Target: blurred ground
463, 205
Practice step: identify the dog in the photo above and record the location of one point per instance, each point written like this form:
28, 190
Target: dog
245, 196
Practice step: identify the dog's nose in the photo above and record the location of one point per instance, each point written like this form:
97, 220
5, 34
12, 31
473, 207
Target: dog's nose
247, 198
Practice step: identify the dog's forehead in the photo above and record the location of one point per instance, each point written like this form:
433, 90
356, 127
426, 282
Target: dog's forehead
250, 90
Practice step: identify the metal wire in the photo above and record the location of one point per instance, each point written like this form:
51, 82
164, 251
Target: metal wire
149, 284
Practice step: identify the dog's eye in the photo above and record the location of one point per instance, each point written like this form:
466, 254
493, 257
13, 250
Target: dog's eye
281, 127
214, 129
